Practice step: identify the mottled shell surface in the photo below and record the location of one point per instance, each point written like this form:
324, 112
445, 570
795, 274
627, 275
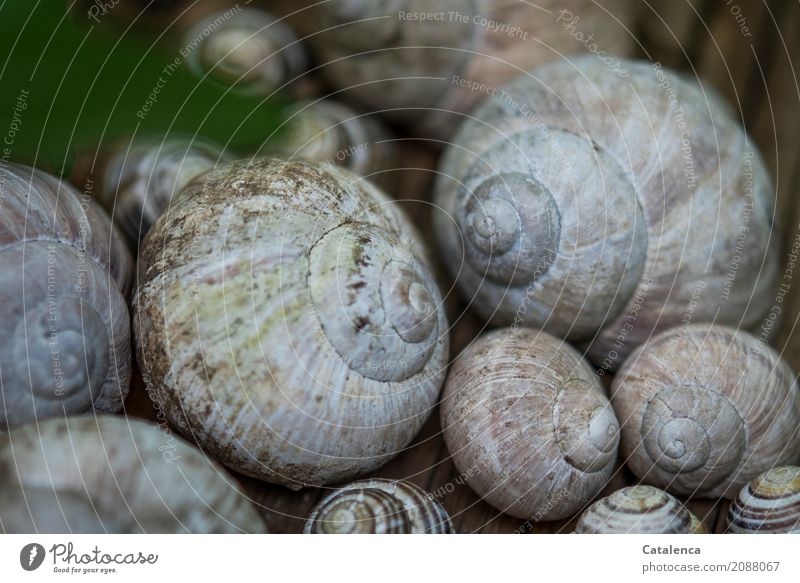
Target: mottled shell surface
609, 205
768, 504
136, 476
245, 47
289, 323
65, 339
330, 132
416, 71
139, 179
705, 409
378, 507
527, 419
638, 510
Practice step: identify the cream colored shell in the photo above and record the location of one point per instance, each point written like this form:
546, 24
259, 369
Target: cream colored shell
638, 510
768, 504
705, 409
64, 277
378, 506
129, 476
140, 178
527, 419
414, 71
288, 321
604, 208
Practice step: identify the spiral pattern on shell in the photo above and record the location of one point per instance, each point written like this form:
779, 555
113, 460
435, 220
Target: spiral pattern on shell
704, 409
638, 510
131, 476
288, 321
768, 504
66, 337
245, 47
378, 506
527, 420
567, 193
139, 179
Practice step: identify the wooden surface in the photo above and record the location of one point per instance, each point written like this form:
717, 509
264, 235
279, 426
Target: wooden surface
753, 69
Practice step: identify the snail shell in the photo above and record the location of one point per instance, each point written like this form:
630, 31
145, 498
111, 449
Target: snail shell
768, 504
245, 47
525, 410
139, 179
606, 208
705, 409
288, 321
638, 510
330, 132
131, 476
415, 72
378, 506
65, 274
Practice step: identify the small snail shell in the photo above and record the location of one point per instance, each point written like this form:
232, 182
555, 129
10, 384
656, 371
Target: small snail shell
136, 477
378, 507
768, 504
288, 321
638, 510
416, 72
65, 340
705, 409
245, 47
139, 179
525, 410
330, 132
605, 207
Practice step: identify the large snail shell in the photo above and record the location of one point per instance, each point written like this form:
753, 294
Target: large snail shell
246, 47
65, 339
415, 72
705, 409
139, 179
135, 477
378, 507
288, 321
768, 504
527, 419
330, 132
42, 510
638, 510
604, 207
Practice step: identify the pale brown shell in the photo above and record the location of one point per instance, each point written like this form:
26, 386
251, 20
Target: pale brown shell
571, 193
327, 131
140, 178
132, 476
638, 510
378, 506
705, 409
768, 504
528, 421
375, 53
65, 339
245, 47
288, 321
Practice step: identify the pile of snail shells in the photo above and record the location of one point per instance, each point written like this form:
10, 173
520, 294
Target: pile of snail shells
139, 178
287, 319
65, 339
704, 409
527, 420
599, 206
427, 74
378, 506
639, 510
114, 474
768, 504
